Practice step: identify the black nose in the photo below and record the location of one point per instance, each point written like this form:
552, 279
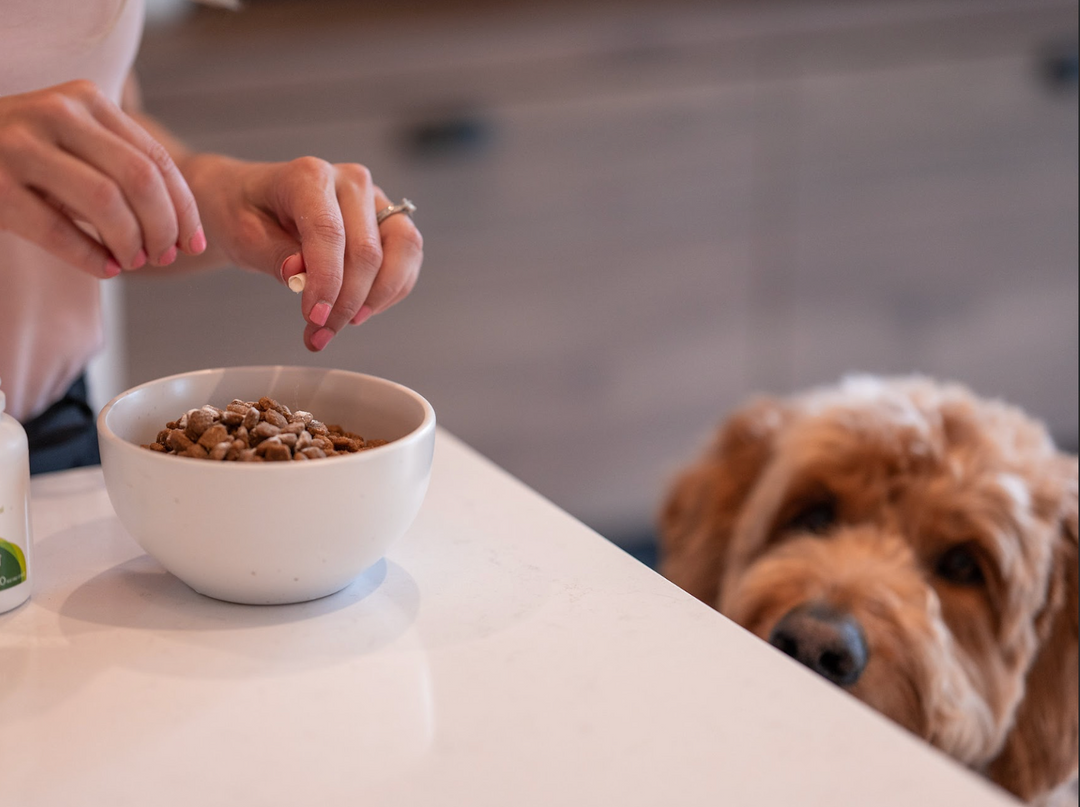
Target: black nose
825, 640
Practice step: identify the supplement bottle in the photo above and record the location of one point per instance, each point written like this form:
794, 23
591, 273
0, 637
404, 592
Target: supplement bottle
14, 512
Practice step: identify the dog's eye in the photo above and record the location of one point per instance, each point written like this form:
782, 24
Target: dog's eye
959, 565
816, 518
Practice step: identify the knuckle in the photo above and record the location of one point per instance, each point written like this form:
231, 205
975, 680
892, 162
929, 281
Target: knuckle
17, 141
412, 240
311, 165
329, 227
82, 88
367, 253
104, 196
360, 174
142, 177
59, 107
159, 156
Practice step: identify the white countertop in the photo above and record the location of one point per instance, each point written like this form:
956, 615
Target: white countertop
502, 654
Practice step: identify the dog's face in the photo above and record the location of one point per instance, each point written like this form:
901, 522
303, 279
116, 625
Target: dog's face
911, 543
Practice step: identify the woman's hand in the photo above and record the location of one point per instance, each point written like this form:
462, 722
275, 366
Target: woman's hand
310, 216
69, 157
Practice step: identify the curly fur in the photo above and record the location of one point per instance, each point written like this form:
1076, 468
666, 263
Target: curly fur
987, 672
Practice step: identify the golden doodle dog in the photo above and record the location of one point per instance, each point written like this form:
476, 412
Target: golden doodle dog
912, 543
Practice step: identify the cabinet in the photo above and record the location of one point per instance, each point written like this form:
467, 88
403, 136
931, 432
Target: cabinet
637, 216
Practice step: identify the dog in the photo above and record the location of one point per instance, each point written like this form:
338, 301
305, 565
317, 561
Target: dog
912, 543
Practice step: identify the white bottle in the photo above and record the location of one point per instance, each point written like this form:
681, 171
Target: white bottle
14, 512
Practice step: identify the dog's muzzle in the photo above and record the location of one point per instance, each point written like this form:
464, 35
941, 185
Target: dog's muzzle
827, 641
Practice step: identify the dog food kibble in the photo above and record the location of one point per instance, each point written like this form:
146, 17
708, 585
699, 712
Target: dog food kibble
256, 431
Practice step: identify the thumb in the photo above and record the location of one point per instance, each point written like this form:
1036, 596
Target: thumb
269, 249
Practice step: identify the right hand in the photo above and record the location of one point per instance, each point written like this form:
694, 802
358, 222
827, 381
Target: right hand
69, 156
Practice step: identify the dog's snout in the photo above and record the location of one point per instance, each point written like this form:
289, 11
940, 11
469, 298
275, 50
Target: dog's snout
827, 641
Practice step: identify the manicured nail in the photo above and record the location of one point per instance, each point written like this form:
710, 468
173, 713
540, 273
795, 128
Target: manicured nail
321, 338
198, 242
320, 313
362, 315
112, 268
167, 257
140, 260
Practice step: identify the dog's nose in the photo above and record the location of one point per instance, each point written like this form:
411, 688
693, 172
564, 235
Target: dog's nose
825, 640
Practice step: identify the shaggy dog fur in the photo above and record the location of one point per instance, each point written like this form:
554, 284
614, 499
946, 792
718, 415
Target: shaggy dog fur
941, 528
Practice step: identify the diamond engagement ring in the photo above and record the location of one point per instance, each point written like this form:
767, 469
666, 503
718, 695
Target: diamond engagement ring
404, 206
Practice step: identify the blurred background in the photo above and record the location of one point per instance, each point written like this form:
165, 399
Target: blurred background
638, 214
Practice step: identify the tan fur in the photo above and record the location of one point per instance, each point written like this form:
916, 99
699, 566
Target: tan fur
987, 672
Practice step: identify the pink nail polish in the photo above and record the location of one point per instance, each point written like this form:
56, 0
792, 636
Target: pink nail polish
321, 338
320, 313
112, 268
198, 242
168, 257
362, 315
140, 260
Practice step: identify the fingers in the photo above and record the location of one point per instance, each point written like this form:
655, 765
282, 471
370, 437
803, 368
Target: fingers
87, 195
72, 146
29, 216
311, 200
403, 254
363, 249
151, 181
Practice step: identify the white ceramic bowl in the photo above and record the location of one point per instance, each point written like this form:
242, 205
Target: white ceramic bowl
275, 532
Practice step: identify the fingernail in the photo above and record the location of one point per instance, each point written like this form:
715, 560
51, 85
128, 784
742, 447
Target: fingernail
362, 315
140, 259
112, 268
198, 242
320, 313
290, 266
167, 257
321, 338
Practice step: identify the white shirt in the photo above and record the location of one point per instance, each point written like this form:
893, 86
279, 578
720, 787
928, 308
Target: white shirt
50, 312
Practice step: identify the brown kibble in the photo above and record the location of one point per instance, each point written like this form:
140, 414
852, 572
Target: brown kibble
198, 421
260, 431
231, 419
263, 431
214, 435
274, 417
178, 441
277, 453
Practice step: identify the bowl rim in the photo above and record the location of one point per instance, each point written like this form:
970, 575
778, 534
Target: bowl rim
426, 425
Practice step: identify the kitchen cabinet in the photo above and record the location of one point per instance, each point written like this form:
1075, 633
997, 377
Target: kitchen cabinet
638, 215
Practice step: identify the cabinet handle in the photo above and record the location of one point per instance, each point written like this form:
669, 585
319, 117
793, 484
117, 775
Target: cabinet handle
1058, 66
448, 136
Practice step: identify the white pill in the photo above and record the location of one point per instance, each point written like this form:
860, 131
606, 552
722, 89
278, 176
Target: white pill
297, 282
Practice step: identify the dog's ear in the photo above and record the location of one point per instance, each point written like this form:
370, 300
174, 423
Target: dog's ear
702, 505
1040, 752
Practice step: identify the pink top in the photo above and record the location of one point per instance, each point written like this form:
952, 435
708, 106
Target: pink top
50, 313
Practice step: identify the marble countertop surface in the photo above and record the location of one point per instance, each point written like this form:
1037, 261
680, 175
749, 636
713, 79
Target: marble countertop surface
501, 654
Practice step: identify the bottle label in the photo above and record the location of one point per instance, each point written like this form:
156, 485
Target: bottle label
12, 563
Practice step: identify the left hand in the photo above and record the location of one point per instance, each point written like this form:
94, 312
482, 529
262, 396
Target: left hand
310, 216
